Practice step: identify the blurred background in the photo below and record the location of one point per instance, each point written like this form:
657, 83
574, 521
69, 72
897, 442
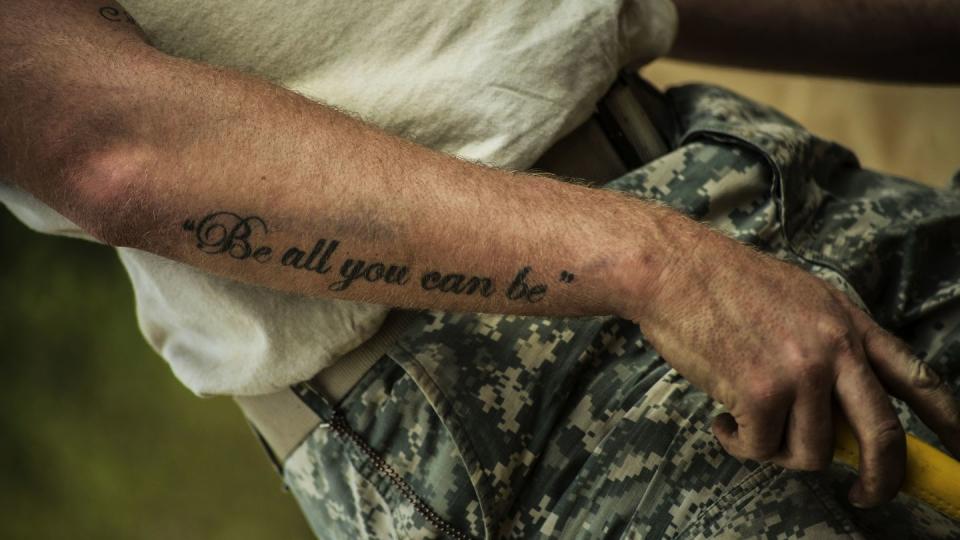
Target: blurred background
99, 440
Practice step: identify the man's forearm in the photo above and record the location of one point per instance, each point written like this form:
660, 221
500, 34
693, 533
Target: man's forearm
910, 40
247, 180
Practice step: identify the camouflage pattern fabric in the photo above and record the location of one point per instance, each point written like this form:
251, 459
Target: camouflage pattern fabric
521, 427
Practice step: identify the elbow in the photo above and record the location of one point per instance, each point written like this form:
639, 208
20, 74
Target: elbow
107, 195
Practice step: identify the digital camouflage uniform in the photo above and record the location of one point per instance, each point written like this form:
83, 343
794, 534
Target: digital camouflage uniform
506, 426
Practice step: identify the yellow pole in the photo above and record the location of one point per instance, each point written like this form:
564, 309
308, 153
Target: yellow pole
931, 476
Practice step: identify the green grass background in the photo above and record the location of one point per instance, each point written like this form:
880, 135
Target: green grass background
97, 438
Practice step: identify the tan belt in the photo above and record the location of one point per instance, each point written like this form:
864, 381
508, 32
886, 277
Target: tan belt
619, 136
281, 418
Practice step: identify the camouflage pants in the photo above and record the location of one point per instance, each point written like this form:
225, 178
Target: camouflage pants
487, 426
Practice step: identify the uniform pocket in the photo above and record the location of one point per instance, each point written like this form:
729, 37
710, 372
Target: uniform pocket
383, 465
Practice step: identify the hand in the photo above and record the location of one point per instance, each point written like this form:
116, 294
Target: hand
780, 348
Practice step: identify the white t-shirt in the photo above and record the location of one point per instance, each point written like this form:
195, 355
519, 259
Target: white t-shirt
492, 81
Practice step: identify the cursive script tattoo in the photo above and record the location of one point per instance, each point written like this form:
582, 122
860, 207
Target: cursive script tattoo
519, 289
226, 232
114, 14
244, 238
457, 284
352, 270
317, 260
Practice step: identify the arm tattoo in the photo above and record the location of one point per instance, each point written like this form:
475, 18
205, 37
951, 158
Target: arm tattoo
242, 238
115, 14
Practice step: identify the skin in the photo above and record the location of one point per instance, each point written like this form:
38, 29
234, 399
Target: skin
152, 152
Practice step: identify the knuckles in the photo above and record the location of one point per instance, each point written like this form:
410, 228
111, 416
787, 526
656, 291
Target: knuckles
804, 366
838, 335
810, 361
763, 391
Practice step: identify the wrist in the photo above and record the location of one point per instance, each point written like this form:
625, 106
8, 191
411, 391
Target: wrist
654, 263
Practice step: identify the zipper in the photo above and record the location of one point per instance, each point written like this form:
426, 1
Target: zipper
339, 426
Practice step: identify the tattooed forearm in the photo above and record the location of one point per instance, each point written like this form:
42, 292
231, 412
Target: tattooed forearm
244, 238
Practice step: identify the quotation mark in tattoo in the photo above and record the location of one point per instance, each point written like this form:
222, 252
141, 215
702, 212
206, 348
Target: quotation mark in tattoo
566, 277
113, 14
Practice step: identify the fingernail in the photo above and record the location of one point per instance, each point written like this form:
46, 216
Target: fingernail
856, 497
925, 376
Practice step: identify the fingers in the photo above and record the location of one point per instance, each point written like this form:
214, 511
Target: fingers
881, 438
910, 379
808, 444
757, 435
